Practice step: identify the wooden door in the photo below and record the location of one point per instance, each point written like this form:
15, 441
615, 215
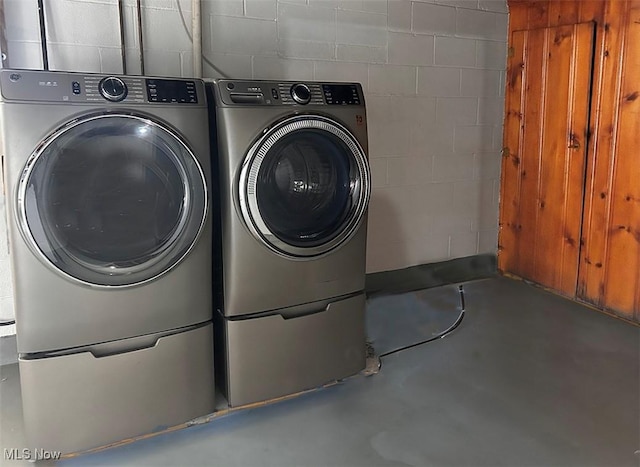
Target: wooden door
545, 146
610, 266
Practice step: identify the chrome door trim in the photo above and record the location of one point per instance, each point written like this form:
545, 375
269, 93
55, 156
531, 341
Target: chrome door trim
41, 147
360, 188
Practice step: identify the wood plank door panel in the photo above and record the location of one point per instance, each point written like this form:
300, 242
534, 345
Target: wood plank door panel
511, 179
610, 266
545, 141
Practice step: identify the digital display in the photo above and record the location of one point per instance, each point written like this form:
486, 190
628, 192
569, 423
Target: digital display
171, 90
341, 94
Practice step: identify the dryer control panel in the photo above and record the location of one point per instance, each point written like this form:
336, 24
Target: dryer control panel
273, 93
51, 86
172, 90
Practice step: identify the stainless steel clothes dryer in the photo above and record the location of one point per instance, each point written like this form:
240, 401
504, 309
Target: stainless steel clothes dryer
295, 185
107, 193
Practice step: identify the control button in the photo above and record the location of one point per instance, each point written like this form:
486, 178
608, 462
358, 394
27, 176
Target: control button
113, 89
301, 93
75, 87
274, 93
231, 86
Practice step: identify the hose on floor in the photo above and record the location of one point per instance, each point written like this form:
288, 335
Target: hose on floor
444, 333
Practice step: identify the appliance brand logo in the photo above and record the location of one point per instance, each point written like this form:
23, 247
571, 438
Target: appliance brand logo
15, 77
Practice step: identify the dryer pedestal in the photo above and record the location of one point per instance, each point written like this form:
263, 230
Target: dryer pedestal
290, 350
79, 401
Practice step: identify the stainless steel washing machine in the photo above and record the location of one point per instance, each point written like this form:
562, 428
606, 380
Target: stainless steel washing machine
295, 185
107, 193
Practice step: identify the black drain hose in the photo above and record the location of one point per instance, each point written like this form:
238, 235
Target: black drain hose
444, 333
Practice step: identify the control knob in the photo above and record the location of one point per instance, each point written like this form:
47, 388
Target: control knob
113, 89
301, 93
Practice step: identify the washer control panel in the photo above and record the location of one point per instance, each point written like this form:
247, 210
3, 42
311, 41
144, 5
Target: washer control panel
51, 86
301, 93
260, 93
341, 94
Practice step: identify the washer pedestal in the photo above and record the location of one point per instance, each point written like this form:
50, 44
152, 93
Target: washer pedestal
290, 350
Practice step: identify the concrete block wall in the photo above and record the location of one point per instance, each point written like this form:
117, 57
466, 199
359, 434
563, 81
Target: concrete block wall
432, 70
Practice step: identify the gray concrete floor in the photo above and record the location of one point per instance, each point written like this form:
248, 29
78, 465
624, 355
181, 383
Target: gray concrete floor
528, 378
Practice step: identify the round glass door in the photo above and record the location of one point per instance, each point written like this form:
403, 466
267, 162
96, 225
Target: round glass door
305, 186
112, 199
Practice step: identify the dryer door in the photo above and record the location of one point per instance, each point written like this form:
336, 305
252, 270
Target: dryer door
305, 186
112, 199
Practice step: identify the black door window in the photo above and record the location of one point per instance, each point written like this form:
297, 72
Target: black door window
304, 187
113, 199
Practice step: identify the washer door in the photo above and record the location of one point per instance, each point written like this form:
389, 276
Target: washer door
305, 186
112, 199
